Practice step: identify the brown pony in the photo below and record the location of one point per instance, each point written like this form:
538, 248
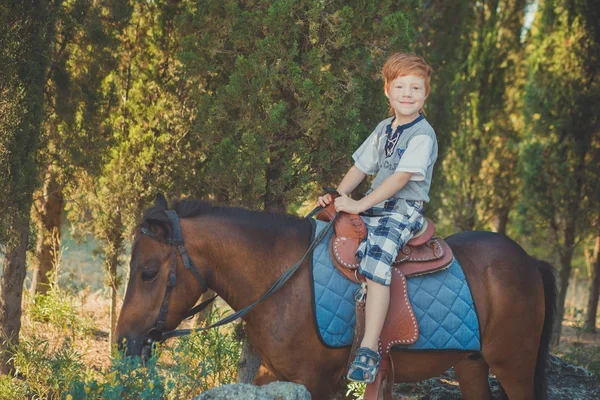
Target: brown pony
240, 253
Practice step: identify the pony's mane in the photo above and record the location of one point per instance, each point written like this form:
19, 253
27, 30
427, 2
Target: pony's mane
195, 208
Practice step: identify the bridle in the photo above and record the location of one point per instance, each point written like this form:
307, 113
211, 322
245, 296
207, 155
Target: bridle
177, 243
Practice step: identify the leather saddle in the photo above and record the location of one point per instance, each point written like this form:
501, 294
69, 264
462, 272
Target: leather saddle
424, 253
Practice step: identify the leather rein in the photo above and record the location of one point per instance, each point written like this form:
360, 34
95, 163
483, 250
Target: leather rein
156, 334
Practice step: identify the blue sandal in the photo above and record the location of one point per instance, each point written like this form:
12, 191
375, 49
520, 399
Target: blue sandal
365, 366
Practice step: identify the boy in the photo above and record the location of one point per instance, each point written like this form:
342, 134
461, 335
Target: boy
401, 152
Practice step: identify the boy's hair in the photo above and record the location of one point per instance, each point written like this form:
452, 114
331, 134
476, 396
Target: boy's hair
401, 64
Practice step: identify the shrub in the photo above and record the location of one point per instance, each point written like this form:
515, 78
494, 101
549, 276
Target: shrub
47, 373
60, 310
187, 367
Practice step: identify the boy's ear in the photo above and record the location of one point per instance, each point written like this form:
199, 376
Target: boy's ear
161, 202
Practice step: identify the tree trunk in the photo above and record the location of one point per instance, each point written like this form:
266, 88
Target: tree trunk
112, 252
199, 318
23, 66
501, 221
274, 200
564, 275
248, 364
594, 291
12, 292
49, 223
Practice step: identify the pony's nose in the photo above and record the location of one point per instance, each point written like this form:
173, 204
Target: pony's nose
131, 346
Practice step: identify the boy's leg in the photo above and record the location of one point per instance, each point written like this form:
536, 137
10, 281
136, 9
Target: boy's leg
376, 307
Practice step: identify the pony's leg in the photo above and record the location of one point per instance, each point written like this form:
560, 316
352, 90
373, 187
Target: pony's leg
473, 379
516, 384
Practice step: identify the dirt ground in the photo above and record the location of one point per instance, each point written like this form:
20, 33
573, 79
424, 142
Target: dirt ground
569, 336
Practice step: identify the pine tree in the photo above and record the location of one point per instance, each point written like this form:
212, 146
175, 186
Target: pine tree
75, 137
26, 32
560, 155
476, 53
284, 92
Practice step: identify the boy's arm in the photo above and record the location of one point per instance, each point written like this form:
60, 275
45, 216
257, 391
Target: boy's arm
351, 180
386, 190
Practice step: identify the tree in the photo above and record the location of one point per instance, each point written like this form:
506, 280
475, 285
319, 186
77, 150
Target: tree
476, 53
27, 33
284, 92
594, 288
77, 102
560, 154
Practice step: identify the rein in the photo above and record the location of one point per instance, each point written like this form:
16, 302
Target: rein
156, 334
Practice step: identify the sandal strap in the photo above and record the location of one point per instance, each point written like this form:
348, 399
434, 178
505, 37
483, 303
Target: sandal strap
367, 352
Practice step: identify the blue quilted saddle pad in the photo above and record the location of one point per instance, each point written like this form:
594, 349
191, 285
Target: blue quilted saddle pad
441, 301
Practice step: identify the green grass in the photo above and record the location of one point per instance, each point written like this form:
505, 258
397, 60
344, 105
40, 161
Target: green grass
47, 365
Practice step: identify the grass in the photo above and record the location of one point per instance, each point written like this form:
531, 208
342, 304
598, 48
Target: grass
48, 365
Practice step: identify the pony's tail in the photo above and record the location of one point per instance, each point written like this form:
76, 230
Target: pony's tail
540, 383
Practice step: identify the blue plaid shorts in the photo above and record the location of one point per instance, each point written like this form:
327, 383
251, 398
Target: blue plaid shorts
388, 231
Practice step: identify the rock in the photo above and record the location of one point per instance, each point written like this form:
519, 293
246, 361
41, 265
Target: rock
565, 381
242, 391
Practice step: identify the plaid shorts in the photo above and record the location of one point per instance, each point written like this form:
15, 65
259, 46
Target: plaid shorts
388, 231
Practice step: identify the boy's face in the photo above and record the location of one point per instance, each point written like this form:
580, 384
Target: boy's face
407, 96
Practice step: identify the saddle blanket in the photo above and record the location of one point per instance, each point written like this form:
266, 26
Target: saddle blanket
441, 301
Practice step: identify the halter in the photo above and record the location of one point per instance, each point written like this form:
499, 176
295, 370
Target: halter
156, 334
177, 244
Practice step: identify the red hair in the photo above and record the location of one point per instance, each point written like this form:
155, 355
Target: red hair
401, 64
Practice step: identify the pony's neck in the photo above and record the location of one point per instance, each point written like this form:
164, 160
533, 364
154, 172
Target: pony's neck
246, 257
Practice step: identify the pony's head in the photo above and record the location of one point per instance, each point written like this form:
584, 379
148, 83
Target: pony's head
157, 279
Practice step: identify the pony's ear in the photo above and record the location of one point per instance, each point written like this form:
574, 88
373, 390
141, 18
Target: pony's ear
161, 202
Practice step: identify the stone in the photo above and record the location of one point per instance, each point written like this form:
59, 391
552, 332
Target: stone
243, 391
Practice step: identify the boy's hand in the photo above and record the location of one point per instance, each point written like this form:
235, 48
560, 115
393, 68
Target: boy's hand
324, 200
346, 204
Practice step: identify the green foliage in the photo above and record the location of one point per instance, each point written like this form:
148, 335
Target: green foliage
58, 309
284, 92
192, 365
356, 390
12, 388
48, 372
586, 356
26, 32
560, 157
45, 369
474, 107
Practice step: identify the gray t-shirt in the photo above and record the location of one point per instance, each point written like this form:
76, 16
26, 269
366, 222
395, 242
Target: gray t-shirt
415, 151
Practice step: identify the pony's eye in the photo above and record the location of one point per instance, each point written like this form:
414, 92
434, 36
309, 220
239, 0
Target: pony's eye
149, 275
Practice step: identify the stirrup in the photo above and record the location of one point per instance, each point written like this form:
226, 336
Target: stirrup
360, 370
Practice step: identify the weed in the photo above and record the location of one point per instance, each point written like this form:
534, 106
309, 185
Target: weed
191, 365
356, 390
588, 357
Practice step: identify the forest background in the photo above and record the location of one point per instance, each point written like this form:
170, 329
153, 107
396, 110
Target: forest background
259, 104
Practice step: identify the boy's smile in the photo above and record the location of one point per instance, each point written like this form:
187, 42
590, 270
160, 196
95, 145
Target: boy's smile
407, 96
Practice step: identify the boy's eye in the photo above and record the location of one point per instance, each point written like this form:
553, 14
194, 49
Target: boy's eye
416, 88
